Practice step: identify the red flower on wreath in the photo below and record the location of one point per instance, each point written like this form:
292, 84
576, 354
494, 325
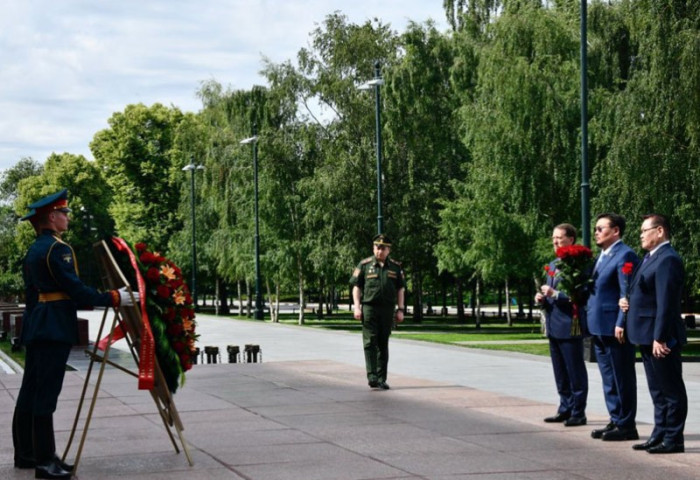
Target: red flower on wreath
163, 291
171, 310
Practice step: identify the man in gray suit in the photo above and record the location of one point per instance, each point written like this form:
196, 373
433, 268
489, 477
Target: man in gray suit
606, 323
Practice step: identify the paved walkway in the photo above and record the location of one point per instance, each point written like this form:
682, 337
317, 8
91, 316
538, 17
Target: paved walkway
306, 413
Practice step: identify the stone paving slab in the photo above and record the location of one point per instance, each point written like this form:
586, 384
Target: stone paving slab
311, 420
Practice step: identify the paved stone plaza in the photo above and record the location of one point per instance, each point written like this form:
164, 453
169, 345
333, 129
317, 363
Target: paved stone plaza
306, 413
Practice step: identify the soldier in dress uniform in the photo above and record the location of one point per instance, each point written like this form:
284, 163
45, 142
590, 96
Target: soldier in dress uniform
378, 286
53, 293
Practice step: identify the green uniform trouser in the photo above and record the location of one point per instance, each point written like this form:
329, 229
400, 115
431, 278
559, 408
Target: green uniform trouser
377, 321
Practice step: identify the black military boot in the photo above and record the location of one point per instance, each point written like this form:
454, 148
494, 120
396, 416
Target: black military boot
22, 429
48, 464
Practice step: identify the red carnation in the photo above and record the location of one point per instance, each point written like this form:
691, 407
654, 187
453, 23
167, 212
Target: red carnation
169, 314
147, 258
546, 268
163, 291
153, 274
140, 247
179, 347
175, 329
627, 268
574, 251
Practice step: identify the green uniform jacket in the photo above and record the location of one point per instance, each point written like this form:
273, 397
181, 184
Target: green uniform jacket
379, 284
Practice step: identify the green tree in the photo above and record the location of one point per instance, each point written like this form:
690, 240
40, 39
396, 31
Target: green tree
137, 157
648, 139
423, 149
89, 199
520, 126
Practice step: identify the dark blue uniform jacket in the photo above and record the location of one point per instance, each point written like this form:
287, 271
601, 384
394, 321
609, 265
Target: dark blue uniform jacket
50, 268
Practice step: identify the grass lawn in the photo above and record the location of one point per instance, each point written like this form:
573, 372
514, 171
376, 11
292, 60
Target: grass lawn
6, 347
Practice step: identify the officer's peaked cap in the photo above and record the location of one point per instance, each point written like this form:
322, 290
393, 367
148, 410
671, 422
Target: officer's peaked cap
56, 201
381, 239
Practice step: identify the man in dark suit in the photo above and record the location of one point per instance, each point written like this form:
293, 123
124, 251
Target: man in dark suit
565, 341
654, 323
606, 323
53, 292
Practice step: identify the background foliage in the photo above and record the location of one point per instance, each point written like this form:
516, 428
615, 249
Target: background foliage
481, 130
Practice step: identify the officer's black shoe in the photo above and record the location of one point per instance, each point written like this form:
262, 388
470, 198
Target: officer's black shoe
51, 470
373, 384
23, 462
65, 466
384, 386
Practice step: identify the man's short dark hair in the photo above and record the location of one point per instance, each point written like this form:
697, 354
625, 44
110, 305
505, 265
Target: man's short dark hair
658, 220
569, 230
615, 221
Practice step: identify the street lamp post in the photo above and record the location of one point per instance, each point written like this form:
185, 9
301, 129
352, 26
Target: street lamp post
192, 168
259, 313
376, 82
585, 185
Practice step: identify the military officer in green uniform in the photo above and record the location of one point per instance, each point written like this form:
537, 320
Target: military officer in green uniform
378, 286
53, 293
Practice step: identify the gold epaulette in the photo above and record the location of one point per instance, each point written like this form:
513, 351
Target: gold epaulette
366, 260
394, 261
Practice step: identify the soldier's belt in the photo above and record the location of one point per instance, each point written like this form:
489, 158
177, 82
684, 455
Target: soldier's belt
52, 297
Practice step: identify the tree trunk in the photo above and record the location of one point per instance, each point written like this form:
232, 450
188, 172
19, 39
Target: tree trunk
274, 314
321, 296
417, 297
500, 302
249, 302
477, 299
222, 307
509, 316
461, 318
240, 298
302, 298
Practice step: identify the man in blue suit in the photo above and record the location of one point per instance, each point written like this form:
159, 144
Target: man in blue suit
606, 323
565, 340
654, 323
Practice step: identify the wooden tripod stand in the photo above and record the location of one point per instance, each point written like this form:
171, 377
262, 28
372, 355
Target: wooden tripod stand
130, 322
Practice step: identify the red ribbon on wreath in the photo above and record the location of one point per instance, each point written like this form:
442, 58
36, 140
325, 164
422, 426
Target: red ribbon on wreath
148, 348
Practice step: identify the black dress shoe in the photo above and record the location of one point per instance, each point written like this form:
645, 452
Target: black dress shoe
373, 384
652, 442
51, 470
65, 466
384, 386
558, 418
620, 434
575, 422
667, 448
599, 432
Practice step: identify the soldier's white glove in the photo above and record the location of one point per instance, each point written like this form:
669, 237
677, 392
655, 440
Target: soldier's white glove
125, 298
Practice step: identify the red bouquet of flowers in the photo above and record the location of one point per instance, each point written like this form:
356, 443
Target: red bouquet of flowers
574, 266
171, 311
